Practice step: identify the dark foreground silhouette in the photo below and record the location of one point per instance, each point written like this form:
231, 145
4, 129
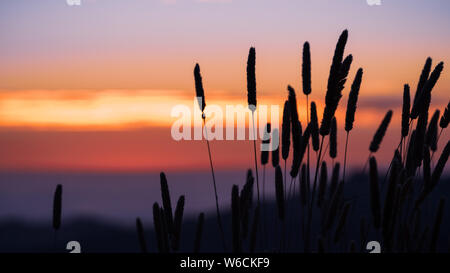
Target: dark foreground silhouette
97, 235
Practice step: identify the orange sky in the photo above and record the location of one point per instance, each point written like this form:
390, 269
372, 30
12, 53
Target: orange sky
119, 130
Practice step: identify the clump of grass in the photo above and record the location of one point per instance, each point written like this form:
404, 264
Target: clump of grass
338, 73
397, 221
167, 226
415, 110
425, 99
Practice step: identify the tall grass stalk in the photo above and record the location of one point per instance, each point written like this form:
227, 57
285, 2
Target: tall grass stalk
306, 81
350, 113
202, 104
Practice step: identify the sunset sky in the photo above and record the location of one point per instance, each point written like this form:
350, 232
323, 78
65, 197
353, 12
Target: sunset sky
91, 87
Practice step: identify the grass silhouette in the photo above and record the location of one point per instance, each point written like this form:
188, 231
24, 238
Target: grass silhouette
316, 219
325, 214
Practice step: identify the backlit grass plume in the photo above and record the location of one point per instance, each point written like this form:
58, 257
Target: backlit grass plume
418, 95
306, 69
200, 93
251, 79
338, 73
406, 111
422, 121
381, 131
314, 127
352, 100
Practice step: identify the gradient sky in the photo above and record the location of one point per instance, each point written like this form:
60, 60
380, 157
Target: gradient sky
90, 87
